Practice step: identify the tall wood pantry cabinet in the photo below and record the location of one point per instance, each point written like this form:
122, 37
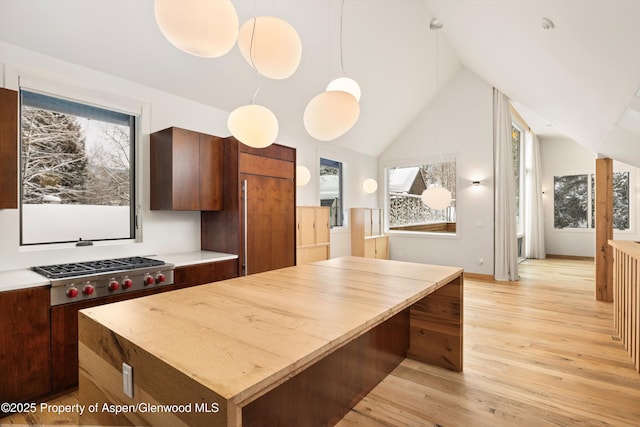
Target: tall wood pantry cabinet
258, 222
367, 239
313, 233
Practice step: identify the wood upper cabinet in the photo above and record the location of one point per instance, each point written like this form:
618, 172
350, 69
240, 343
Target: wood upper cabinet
8, 149
258, 221
367, 238
24, 344
186, 171
313, 233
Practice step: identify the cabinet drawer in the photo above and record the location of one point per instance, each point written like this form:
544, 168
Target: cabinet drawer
199, 274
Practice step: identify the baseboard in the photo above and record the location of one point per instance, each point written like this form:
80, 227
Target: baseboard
572, 257
479, 277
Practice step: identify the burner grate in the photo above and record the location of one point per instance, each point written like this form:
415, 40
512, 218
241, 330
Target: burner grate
59, 271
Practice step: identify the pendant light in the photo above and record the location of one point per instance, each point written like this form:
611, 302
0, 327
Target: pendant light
330, 115
436, 197
334, 112
271, 46
345, 84
253, 125
204, 28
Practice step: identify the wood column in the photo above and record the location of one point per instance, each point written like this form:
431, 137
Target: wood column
604, 229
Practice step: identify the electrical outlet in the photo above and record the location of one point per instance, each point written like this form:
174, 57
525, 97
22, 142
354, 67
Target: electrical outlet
480, 261
127, 380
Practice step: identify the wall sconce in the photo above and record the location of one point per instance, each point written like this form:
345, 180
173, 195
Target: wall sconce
303, 176
369, 185
475, 183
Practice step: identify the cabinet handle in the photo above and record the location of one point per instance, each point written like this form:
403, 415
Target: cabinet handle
244, 228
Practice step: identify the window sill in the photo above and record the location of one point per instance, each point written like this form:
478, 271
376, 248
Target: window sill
423, 234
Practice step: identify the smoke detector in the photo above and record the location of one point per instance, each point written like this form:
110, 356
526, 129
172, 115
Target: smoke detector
547, 24
435, 24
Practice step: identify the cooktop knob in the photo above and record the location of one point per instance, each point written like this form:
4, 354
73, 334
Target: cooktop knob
160, 278
127, 283
72, 292
114, 285
88, 290
148, 280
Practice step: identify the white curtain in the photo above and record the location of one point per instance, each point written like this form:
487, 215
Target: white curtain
533, 215
506, 239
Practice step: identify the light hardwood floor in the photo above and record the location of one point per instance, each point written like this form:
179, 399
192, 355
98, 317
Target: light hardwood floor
538, 352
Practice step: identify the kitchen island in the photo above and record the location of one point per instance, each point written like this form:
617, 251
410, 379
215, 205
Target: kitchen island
295, 346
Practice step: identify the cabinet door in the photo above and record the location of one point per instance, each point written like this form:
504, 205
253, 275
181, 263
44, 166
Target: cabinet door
210, 173
270, 226
24, 344
370, 248
8, 149
382, 247
367, 222
307, 226
322, 225
185, 170
376, 220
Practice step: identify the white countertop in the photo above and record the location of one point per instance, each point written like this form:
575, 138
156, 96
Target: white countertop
22, 279
196, 257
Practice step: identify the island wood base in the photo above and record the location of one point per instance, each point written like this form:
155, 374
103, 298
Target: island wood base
318, 392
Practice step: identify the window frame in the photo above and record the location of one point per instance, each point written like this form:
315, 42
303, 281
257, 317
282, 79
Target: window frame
341, 185
413, 162
590, 227
17, 78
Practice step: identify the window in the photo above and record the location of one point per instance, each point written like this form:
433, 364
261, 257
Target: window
406, 211
517, 141
574, 201
77, 171
331, 193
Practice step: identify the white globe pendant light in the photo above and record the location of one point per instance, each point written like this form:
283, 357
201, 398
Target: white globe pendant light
330, 115
205, 28
345, 84
436, 197
270, 45
253, 125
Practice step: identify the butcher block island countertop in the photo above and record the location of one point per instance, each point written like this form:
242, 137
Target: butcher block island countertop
295, 346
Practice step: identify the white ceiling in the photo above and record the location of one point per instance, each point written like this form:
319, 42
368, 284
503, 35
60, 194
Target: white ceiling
578, 78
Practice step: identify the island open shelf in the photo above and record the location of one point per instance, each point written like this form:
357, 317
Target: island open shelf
295, 346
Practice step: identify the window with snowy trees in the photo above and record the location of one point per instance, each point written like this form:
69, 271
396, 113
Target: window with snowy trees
405, 185
77, 171
574, 201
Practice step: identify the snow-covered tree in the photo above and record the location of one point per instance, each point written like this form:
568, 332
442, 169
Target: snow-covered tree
54, 161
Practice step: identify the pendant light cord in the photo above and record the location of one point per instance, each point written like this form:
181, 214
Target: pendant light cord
251, 46
341, 56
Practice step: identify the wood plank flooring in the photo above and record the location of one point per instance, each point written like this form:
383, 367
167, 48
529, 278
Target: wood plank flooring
538, 352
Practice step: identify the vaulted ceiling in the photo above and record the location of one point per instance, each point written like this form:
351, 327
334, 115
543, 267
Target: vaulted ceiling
577, 79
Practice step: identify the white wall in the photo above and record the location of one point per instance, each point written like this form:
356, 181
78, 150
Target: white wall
465, 130
162, 232
563, 156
